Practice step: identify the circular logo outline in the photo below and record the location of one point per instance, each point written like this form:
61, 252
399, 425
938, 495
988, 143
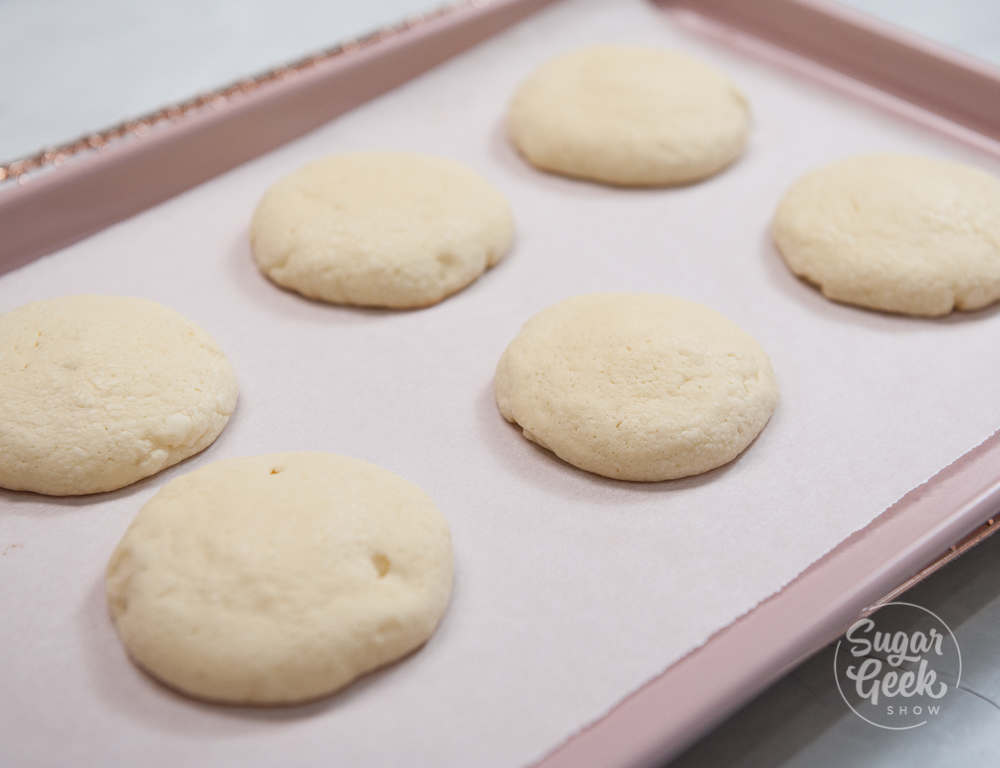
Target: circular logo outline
836, 675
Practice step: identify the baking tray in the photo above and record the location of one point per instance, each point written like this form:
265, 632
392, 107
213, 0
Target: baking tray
936, 522
66, 194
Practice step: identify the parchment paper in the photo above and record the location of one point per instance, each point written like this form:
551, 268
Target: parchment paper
570, 590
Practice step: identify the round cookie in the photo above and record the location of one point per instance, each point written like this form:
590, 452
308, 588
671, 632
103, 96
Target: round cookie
899, 233
101, 391
631, 116
380, 229
279, 579
636, 386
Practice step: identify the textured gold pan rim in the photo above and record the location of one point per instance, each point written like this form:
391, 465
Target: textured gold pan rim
17, 170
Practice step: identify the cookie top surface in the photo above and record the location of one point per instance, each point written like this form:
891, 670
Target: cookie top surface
636, 386
280, 578
907, 234
631, 116
101, 391
380, 229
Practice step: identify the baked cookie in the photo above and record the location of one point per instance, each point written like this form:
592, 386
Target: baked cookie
631, 116
278, 579
380, 229
636, 386
101, 391
900, 233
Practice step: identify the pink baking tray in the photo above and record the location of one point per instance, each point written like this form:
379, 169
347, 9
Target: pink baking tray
64, 194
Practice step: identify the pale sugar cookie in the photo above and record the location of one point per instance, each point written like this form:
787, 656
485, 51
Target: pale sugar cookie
278, 579
380, 229
636, 386
629, 115
900, 233
101, 391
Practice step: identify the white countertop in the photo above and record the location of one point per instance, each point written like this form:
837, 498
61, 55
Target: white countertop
68, 68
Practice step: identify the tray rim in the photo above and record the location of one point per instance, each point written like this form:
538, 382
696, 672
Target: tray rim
667, 713
18, 169
862, 56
